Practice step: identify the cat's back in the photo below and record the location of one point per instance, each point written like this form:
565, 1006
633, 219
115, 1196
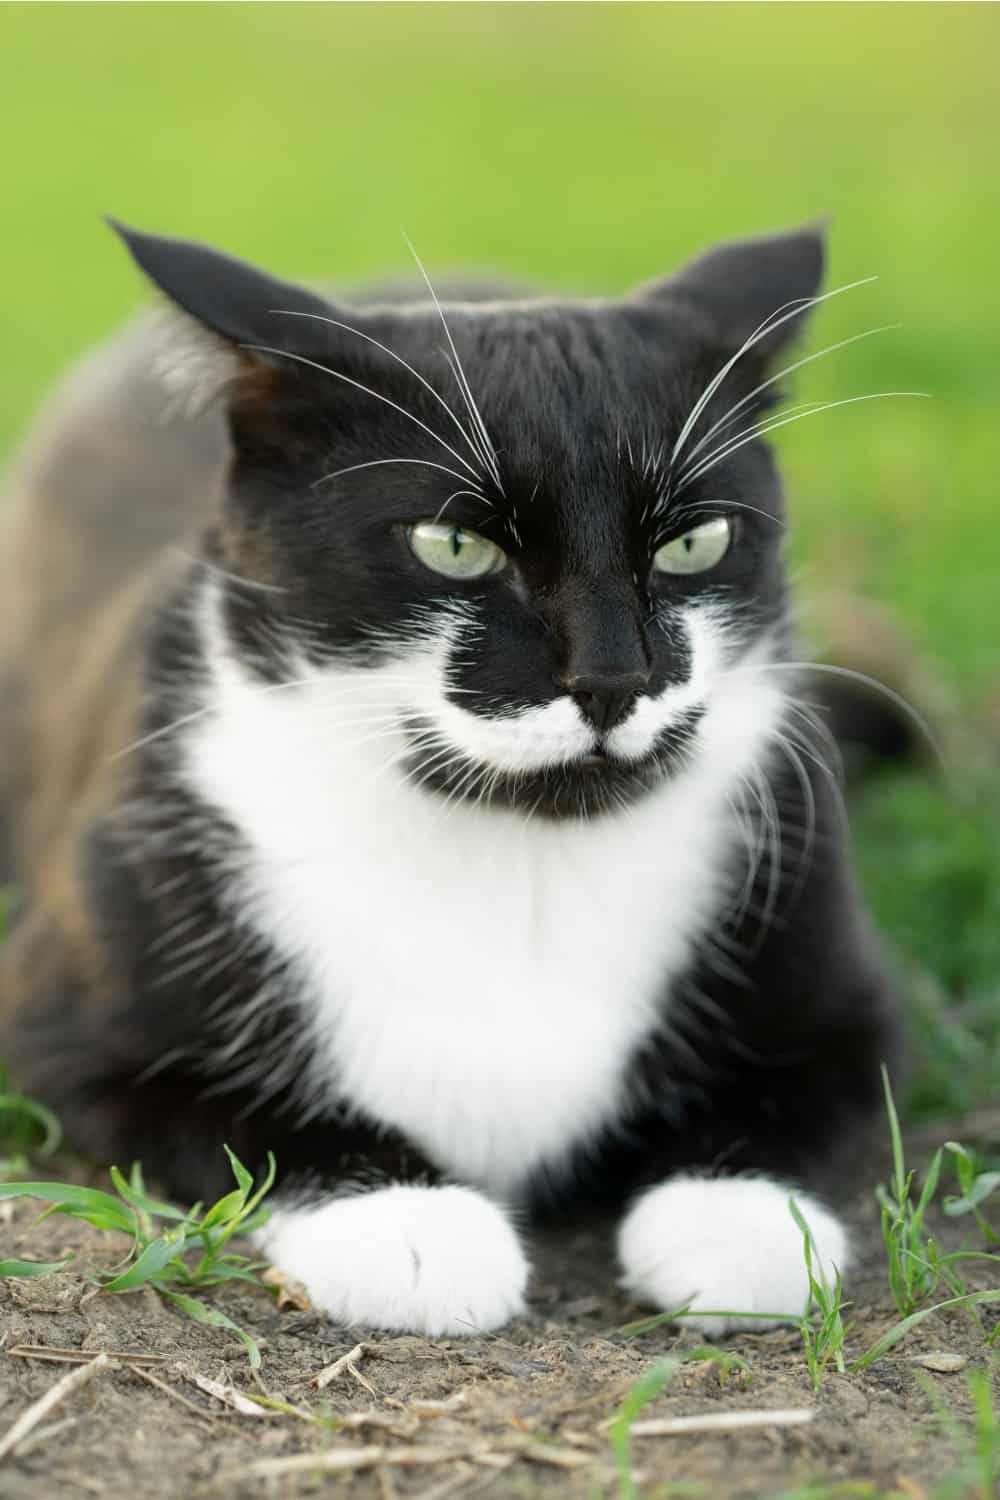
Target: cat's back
96, 508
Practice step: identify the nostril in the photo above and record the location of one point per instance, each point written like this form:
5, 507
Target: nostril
605, 709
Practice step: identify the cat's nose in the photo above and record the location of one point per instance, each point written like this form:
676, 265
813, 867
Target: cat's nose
606, 700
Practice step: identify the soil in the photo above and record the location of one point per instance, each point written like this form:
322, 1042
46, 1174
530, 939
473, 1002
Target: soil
520, 1414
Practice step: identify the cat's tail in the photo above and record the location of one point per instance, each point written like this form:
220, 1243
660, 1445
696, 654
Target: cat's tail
880, 699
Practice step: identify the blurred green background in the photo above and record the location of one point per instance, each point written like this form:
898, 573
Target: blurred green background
588, 147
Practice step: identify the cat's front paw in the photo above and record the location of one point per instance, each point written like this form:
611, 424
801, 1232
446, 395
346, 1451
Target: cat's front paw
726, 1245
431, 1260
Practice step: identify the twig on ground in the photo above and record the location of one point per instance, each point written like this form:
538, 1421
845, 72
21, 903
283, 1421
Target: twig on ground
721, 1421
556, 1458
43, 1435
423, 1408
82, 1356
397, 1426
39, 1410
172, 1391
227, 1394
346, 1362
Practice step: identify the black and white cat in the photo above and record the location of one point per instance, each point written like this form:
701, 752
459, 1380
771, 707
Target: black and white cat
472, 846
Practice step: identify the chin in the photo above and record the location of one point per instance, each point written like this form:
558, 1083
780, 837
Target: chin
597, 784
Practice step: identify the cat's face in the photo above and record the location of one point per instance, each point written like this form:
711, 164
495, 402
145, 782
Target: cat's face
511, 526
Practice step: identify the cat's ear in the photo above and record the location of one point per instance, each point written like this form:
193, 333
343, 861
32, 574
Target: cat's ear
227, 296
741, 286
245, 340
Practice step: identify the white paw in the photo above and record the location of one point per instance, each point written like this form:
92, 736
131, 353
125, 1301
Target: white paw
728, 1244
432, 1260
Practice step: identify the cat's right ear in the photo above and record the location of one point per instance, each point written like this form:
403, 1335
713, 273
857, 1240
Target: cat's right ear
244, 339
227, 296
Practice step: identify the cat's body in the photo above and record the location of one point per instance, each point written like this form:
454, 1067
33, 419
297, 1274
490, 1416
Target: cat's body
531, 882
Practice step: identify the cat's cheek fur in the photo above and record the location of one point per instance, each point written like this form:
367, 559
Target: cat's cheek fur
728, 1244
429, 1260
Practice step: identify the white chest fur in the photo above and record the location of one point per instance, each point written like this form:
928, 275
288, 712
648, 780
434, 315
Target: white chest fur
475, 980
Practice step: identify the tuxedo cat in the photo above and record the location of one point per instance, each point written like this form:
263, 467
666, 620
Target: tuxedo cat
409, 771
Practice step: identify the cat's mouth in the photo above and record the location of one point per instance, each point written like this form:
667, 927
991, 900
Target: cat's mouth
590, 784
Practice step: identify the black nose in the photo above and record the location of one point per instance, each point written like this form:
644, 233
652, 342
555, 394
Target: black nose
606, 701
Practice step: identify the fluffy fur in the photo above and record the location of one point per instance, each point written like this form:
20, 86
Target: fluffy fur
463, 894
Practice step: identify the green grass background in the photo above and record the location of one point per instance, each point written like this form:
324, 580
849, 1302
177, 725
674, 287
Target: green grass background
590, 147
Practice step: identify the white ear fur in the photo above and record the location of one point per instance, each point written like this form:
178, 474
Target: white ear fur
195, 368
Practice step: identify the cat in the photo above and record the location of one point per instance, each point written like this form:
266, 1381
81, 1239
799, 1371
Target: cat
409, 772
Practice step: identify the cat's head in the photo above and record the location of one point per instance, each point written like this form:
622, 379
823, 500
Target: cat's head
541, 532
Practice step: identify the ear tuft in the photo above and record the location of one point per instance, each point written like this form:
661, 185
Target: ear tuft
738, 286
225, 295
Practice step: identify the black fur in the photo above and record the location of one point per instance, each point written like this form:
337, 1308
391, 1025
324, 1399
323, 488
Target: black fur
769, 1059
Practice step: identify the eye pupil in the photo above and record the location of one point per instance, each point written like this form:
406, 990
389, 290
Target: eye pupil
453, 551
696, 550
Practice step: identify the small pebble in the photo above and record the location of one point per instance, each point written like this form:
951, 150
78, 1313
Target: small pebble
942, 1360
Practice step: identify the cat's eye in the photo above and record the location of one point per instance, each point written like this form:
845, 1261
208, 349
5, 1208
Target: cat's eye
696, 550
454, 551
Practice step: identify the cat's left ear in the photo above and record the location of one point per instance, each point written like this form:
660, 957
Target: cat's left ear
741, 286
230, 298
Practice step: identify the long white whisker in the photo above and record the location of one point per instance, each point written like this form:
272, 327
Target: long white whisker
375, 463
468, 397
211, 567
788, 370
270, 687
454, 496
762, 428
852, 676
798, 305
727, 507
349, 328
339, 375
485, 447
786, 746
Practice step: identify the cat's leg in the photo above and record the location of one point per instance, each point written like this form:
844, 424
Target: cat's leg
358, 1215
773, 1098
433, 1259
728, 1245
708, 1224
380, 1240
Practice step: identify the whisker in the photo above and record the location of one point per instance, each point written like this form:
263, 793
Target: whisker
454, 496
270, 687
788, 370
851, 675
249, 583
773, 321
349, 328
763, 428
678, 516
470, 400
367, 390
375, 463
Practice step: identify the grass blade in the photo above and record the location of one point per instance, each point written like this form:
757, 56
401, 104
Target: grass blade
90, 1204
199, 1312
899, 1330
33, 1267
156, 1257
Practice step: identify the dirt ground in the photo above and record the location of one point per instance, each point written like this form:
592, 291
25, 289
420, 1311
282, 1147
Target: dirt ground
518, 1414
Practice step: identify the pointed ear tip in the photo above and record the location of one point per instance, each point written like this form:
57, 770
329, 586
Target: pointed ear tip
122, 230
817, 230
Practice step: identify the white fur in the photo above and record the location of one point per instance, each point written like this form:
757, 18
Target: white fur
728, 1244
476, 979
432, 1260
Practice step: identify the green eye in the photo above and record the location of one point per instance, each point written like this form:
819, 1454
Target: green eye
453, 551
697, 550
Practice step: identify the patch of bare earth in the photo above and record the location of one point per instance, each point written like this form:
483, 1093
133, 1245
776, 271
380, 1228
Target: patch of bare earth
522, 1413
